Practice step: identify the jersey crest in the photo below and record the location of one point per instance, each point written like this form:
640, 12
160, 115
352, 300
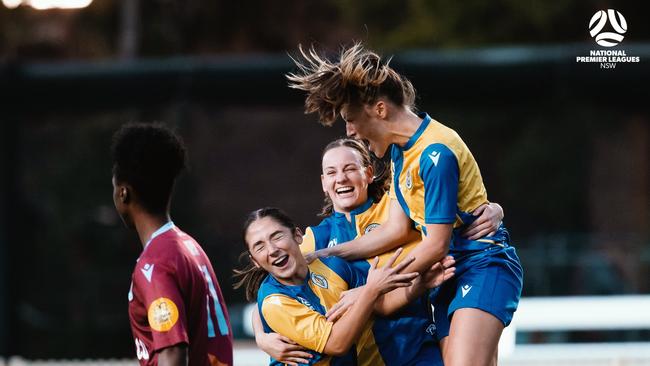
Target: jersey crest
319, 280
370, 228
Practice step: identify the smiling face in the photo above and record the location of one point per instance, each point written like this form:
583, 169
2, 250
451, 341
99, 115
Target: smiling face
364, 122
275, 248
345, 180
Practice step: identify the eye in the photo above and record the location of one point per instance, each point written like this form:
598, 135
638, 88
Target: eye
330, 172
258, 247
278, 237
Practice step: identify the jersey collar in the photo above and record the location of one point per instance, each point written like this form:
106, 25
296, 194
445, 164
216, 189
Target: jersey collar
161, 230
361, 209
423, 126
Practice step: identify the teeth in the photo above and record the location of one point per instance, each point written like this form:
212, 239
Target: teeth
275, 263
344, 189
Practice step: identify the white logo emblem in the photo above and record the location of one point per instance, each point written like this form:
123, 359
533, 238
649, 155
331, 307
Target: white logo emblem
147, 271
616, 20
431, 329
332, 243
465, 289
141, 350
319, 280
371, 227
409, 180
435, 155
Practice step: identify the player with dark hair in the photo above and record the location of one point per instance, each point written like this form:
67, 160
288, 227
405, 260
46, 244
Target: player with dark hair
177, 312
436, 187
293, 296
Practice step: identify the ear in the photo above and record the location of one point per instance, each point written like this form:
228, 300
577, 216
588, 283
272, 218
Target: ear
370, 173
254, 261
124, 193
298, 235
381, 109
322, 183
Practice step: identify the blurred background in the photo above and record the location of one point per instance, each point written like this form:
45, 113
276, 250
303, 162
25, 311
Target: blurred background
563, 146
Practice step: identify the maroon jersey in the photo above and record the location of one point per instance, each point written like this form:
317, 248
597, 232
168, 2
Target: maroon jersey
175, 298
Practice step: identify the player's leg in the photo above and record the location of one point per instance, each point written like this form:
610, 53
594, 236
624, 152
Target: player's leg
485, 298
443, 345
473, 338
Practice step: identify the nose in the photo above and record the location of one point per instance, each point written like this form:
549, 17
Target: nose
341, 176
274, 251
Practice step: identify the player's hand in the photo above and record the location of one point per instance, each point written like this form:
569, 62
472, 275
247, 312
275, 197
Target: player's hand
312, 256
439, 273
387, 278
346, 300
283, 349
486, 224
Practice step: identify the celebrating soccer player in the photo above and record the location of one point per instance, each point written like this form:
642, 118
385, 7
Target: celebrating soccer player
436, 187
294, 298
178, 315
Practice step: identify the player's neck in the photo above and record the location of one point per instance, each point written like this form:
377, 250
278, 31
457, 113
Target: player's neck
407, 122
146, 224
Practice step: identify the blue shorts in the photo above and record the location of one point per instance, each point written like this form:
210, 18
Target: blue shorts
429, 355
489, 279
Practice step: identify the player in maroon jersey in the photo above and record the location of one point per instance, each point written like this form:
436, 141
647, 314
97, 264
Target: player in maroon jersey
178, 315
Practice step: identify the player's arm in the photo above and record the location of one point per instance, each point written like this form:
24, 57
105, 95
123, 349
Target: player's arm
278, 346
398, 298
173, 356
312, 330
391, 234
441, 178
379, 281
489, 217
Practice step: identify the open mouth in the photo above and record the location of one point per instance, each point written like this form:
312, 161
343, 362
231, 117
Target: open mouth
344, 190
280, 262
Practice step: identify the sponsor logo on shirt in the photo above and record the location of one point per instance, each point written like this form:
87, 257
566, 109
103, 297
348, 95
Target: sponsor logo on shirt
305, 302
319, 280
162, 314
370, 228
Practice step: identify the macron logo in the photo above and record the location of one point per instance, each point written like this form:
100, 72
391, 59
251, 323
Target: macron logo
465, 289
434, 157
147, 271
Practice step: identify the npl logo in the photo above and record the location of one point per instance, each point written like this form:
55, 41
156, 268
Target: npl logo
616, 20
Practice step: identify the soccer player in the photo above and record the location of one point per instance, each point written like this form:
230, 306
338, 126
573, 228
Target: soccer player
357, 203
294, 298
177, 313
436, 186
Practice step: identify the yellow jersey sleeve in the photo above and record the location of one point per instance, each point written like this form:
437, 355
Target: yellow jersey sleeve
308, 242
296, 321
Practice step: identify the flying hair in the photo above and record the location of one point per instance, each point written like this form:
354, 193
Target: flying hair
358, 77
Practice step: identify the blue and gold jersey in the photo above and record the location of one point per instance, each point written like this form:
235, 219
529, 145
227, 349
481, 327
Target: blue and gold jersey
406, 336
298, 312
436, 179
